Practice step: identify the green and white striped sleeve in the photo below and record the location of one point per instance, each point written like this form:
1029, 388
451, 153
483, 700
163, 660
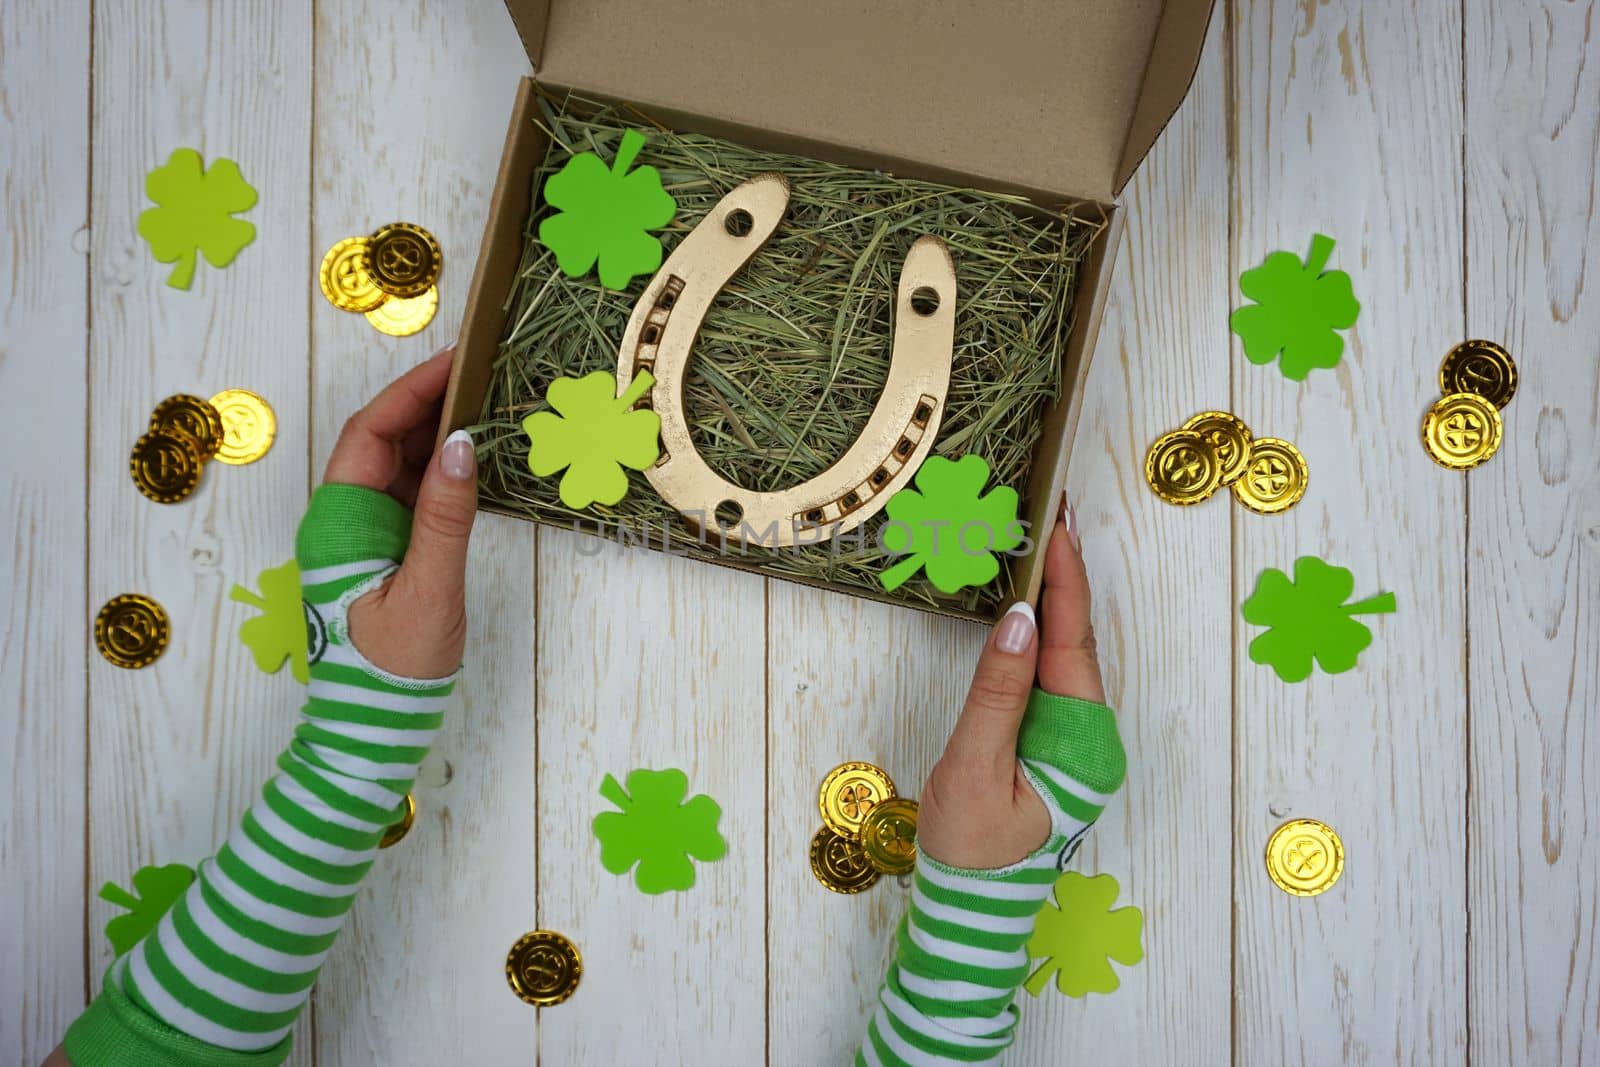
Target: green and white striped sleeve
222, 978
961, 948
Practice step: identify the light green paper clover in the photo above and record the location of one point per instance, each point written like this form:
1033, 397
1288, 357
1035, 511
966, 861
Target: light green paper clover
1298, 312
155, 890
606, 215
657, 830
283, 630
1079, 935
194, 212
950, 527
1309, 619
594, 436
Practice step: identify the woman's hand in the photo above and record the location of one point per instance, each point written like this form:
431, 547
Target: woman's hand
978, 809
415, 624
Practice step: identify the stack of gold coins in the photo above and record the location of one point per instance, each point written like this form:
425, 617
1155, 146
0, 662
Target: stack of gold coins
867, 830
1215, 449
391, 277
1463, 427
235, 426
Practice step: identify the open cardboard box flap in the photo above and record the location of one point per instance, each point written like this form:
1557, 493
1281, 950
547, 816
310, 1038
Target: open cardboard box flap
1053, 98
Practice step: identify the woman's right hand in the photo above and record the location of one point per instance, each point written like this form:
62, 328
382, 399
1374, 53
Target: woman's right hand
978, 809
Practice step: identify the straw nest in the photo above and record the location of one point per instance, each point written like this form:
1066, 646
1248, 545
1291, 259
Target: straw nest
793, 354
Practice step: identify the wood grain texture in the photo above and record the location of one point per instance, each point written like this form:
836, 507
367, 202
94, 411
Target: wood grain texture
44, 198
409, 118
1349, 124
848, 680
1161, 609
180, 748
1533, 231
651, 661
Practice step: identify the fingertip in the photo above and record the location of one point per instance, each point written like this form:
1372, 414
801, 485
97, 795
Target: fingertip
1016, 629
457, 459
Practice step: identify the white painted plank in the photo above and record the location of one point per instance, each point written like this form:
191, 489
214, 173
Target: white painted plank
654, 662
44, 173
1162, 356
1533, 150
411, 113
849, 680
1349, 123
179, 749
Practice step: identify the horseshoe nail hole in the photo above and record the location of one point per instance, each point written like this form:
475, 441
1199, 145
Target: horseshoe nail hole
850, 499
739, 222
924, 300
666, 300
650, 334
903, 449
728, 514
922, 415
814, 515
880, 476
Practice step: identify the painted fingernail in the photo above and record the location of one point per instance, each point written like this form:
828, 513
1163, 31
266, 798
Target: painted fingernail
1070, 514
1015, 629
457, 459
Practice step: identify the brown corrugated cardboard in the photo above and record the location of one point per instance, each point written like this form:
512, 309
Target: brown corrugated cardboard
944, 90
1062, 97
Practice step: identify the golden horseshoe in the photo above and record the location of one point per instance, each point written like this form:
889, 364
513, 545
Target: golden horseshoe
660, 338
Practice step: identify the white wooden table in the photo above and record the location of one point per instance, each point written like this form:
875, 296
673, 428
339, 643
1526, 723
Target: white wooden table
1450, 147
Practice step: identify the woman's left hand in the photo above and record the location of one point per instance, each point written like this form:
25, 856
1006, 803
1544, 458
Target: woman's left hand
415, 624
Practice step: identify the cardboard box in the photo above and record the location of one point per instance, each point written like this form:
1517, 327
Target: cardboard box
1057, 100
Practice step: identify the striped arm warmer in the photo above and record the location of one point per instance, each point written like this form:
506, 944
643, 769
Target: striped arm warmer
961, 948
224, 975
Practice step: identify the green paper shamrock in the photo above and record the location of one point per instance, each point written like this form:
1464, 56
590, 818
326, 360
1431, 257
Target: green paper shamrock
195, 213
1075, 937
657, 830
596, 434
1309, 618
606, 215
155, 890
950, 527
287, 628
1297, 311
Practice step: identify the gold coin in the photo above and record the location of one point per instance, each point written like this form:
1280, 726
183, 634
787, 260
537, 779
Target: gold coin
191, 415
543, 968
1461, 430
1305, 857
889, 836
848, 793
402, 826
1182, 467
402, 318
248, 426
403, 260
344, 278
1481, 367
1228, 437
132, 631
839, 863
1275, 478
165, 466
